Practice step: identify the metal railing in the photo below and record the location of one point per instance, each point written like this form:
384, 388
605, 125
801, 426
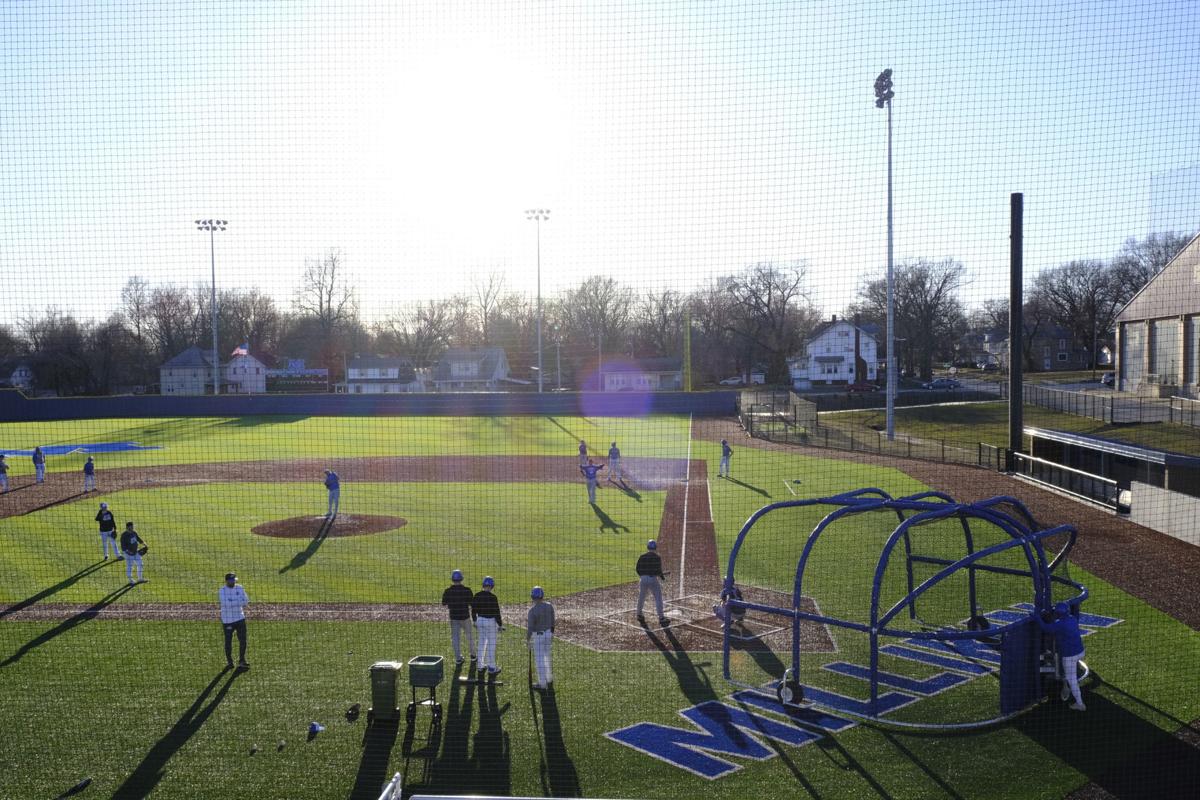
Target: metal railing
1096, 488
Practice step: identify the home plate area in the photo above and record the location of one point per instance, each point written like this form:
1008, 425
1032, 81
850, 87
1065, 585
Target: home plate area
758, 631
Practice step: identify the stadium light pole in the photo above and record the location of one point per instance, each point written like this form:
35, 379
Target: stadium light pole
212, 226
538, 215
883, 97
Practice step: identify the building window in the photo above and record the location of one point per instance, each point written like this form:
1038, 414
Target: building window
1062, 357
464, 369
1045, 352
1062, 344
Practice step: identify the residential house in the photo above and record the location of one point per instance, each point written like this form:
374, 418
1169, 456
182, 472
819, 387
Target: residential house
642, 375
190, 373
380, 375
16, 373
1051, 350
837, 353
1158, 330
481, 369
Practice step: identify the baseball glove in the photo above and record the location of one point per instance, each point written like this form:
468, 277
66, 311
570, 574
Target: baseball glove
143, 549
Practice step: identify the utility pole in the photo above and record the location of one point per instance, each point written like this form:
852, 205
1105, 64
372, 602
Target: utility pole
883, 97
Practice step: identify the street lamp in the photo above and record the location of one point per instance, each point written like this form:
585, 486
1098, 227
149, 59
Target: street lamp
212, 226
883, 97
538, 215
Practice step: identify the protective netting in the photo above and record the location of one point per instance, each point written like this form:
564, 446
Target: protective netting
422, 253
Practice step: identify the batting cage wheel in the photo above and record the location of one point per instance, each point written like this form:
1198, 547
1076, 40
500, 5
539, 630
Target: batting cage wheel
790, 692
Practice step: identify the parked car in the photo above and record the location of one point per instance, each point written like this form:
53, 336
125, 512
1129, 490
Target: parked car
862, 386
942, 384
991, 366
1107, 379
736, 380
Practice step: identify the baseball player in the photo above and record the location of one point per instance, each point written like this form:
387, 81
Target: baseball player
335, 492
39, 464
726, 453
1065, 628
3, 474
614, 463
485, 610
727, 613
108, 532
590, 471
539, 631
89, 475
233, 600
457, 598
650, 578
131, 545
583, 459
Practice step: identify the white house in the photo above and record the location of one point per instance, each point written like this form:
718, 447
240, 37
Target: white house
462, 369
380, 375
190, 373
837, 354
643, 375
17, 374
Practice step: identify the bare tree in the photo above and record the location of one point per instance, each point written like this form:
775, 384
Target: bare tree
422, 332
598, 309
325, 293
487, 295
1083, 297
771, 313
659, 321
1138, 262
135, 303
172, 320
929, 314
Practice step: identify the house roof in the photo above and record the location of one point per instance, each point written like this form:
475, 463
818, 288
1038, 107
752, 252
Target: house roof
827, 326
192, 357
379, 362
1173, 292
662, 364
488, 358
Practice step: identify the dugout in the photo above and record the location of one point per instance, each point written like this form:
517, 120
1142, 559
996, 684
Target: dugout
943, 596
1118, 461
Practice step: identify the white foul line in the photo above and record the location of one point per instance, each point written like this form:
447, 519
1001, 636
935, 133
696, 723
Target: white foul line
686, 486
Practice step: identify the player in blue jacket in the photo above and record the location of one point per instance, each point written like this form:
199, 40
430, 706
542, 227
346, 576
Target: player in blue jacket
591, 471
726, 454
89, 475
1065, 628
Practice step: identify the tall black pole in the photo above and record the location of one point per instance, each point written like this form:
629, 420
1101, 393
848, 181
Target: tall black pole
1016, 332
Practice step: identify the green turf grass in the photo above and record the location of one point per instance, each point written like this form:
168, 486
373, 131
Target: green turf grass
522, 534
134, 710
201, 440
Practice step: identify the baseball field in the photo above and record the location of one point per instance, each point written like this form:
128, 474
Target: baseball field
126, 684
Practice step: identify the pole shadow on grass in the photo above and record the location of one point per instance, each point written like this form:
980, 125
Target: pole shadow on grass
301, 558
607, 523
67, 624
55, 589
751, 487
378, 739
148, 773
1142, 760
426, 753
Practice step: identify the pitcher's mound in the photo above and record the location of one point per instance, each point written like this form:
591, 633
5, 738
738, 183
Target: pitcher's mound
341, 525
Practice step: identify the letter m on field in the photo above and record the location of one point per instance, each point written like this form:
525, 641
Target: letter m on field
724, 731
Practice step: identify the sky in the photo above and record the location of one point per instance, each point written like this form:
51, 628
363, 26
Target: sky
671, 141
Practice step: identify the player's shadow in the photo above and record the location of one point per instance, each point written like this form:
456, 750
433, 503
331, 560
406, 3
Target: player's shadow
147, 774
254, 422
301, 558
378, 739
66, 625
694, 682
628, 490
749, 486
1144, 761
558, 773
449, 770
607, 523
55, 589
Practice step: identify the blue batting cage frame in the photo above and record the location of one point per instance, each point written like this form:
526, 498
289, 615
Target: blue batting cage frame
1009, 515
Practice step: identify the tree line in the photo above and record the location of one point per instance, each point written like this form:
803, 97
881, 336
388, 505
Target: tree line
756, 317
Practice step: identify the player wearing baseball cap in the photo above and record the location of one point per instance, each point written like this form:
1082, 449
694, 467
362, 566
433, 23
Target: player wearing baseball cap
108, 532
457, 598
485, 610
650, 578
233, 600
539, 632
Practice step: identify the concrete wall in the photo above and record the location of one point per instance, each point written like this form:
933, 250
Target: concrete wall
15, 407
1167, 512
